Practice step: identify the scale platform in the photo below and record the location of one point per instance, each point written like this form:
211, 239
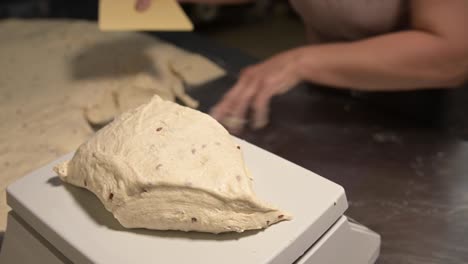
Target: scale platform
53, 222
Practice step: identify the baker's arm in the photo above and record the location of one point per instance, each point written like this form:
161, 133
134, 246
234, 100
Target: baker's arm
433, 53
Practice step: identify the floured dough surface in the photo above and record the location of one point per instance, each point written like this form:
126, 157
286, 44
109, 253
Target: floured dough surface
195, 69
57, 73
168, 167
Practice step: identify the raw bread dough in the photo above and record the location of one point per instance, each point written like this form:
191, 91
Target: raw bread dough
195, 69
103, 110
131, 95
121, 99
168, 167
52, 70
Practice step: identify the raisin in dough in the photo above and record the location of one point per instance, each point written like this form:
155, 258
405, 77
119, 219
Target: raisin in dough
168, 167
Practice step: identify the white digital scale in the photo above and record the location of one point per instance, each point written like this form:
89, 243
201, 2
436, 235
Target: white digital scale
53, 222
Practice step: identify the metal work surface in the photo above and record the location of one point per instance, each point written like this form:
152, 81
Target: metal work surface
400, 157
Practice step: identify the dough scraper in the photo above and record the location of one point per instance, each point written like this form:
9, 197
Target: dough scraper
162, 15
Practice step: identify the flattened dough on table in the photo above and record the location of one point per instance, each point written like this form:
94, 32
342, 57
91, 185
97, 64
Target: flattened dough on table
35, 137
133, 94
195, 69
168, 167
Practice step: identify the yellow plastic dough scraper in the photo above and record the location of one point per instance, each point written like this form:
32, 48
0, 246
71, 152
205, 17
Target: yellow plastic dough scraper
162, 15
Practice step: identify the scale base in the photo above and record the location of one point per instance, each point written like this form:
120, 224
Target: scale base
344, 242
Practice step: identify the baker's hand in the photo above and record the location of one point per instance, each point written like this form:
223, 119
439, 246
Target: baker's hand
254, 90
142, 5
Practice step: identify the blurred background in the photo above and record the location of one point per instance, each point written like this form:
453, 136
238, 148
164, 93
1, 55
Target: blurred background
246, 27
261, 29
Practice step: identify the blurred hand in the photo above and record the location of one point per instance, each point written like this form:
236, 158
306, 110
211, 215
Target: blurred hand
254, 90
142, 5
